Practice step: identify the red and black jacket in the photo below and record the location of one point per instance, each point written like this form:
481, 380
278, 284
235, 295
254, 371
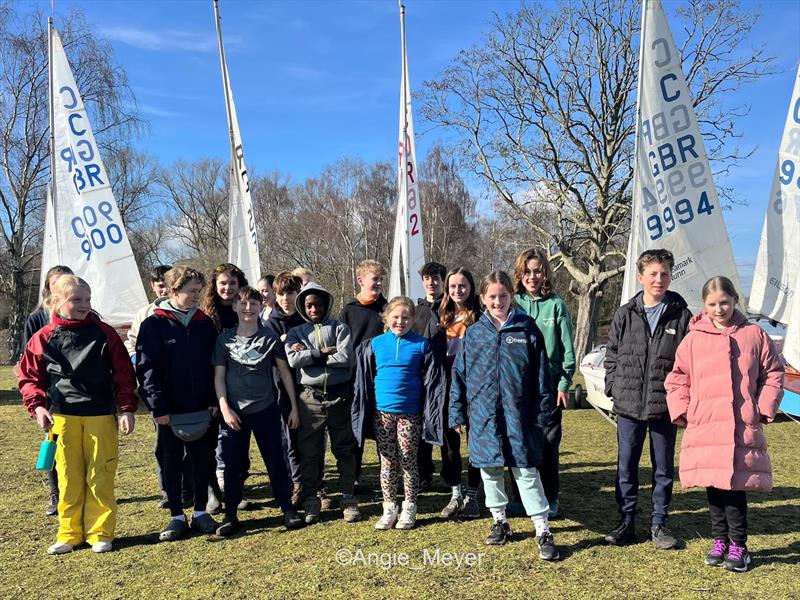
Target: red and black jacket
77, 368
173, 363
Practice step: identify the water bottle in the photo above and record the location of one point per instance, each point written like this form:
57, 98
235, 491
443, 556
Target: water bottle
47, 452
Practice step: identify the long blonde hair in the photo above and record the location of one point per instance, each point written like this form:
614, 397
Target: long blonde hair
61, 290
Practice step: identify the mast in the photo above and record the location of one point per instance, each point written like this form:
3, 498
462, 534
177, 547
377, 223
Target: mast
225, 83
406, 147
51, 117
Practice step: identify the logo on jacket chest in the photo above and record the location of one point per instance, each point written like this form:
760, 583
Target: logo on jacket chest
511, 339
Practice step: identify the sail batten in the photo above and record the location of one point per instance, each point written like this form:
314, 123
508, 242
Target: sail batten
675, 204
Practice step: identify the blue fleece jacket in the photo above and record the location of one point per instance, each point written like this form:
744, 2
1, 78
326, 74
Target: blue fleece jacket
399, 365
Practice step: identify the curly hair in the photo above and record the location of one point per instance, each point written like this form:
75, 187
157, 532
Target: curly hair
211, 300
521, 266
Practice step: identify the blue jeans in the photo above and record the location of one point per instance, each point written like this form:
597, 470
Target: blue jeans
265, 427
630, 441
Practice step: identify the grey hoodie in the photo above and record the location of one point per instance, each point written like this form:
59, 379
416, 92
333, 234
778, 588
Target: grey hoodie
313, 368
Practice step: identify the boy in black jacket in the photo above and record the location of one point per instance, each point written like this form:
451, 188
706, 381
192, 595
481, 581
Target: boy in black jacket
364, 317
642, 341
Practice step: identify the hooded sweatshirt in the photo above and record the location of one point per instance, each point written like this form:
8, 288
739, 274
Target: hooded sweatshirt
553, 320
313, 368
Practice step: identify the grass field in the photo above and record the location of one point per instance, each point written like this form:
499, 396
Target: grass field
267, 562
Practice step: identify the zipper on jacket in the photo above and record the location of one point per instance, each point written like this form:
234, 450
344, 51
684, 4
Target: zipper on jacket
397, 349
318, 329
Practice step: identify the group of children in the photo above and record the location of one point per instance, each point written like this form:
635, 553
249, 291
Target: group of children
494, 362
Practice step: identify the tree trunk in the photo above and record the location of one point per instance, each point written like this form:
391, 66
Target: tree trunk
17, 314
585, 325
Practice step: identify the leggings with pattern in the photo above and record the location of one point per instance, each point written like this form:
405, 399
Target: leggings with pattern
398, 439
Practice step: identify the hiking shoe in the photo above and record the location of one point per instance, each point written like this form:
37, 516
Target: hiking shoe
297, 495
204, 523
350, 511
663, 538
59, 548
228, 528
52, 507
719, 548
312, 506
470, 510
547, 547
552, 512
389, 517
499, 534
624, 533
408, 516
100, 547
292, 521
325, 501
176, 529
453, 508
738, 558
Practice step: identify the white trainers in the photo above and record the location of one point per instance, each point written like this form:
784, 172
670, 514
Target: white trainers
408, 516
389, 517
59, 548
99, 547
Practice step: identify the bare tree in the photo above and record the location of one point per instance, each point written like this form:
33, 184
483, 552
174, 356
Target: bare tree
198, 207
545, 109
24, 134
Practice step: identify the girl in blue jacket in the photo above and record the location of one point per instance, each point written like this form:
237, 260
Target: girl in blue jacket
501, 387
401, 379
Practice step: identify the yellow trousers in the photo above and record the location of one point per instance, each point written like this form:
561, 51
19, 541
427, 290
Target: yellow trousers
86, 462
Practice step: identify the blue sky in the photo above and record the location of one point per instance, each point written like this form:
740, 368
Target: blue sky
314, 81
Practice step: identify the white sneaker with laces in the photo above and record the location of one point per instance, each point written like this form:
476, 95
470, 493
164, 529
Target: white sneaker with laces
389, 517
408, 516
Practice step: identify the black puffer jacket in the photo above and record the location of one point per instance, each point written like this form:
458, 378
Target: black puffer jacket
637, 363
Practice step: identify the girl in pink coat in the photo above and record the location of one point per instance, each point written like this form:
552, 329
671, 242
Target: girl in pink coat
726, 382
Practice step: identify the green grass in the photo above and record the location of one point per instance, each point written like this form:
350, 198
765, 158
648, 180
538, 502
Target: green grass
268, 562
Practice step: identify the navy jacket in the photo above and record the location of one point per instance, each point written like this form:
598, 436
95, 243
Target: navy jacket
173, 363
501, 386
434, 395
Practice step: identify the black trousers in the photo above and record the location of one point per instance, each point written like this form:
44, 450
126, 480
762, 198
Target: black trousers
170, 452
728, 510
548, 470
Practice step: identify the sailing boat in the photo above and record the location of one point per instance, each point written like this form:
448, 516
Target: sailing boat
408, 248
675, 203
775, 293
242, 235
83, 226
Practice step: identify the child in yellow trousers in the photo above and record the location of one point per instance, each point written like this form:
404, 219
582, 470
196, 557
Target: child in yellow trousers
79, 367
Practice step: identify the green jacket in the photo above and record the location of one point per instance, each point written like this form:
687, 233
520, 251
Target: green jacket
552, 318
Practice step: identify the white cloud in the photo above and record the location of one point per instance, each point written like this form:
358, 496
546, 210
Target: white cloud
167, 39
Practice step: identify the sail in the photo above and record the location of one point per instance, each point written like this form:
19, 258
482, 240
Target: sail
675, 203
49, 242
408, 245
92, 240
775, 292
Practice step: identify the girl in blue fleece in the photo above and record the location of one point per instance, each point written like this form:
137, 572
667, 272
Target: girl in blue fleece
400, 374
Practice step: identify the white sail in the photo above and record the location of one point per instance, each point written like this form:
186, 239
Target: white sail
242, 235
92, 240
775, 292
408, 245
675, 204
49, 242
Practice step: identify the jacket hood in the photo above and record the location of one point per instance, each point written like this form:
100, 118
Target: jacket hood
314, 288
164, 307
702, 322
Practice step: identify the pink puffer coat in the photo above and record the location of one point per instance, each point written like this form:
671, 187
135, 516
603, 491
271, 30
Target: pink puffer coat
724, 384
